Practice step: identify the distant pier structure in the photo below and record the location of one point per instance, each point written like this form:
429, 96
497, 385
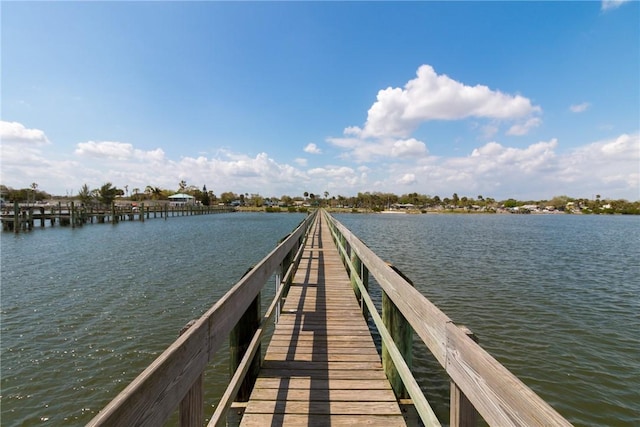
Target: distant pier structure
25, 217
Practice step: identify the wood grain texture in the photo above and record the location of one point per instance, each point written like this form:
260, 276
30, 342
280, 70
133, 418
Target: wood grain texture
321, 366
500, 397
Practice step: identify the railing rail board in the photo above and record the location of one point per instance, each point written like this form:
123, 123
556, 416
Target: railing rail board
498, 395
153, 396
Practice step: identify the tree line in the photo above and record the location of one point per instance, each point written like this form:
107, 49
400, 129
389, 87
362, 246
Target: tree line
375, 201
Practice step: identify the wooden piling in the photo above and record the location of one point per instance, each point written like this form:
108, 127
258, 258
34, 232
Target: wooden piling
16, 217
402, 335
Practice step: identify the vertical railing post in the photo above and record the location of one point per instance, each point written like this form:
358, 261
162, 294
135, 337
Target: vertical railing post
239, 341
364, 276
402, 335
354, 274
462, 412
192, 405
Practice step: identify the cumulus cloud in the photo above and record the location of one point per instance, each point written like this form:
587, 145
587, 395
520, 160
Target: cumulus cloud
312, 149
612, 4
407, 179
17, 133
397, 112
365, 150
301, 161
116, 151
579, 108
537, 171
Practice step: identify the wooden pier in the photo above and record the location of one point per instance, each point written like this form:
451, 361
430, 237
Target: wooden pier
24, 218
321, 367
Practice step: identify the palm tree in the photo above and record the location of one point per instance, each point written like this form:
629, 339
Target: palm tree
107, 193
85, 195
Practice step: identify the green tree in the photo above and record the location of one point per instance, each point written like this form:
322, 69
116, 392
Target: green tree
227, 197
107, 194
510, 203
85, 195
205, 199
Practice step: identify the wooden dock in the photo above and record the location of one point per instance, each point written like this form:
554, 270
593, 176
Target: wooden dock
321, 367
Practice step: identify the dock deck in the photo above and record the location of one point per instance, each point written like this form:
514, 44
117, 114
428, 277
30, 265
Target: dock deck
321, 367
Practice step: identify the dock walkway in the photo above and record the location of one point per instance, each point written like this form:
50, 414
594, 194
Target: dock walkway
321, 367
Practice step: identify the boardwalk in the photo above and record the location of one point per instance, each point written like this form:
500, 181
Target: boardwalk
321, 367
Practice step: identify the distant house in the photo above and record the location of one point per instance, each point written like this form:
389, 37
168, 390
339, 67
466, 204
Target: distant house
181, 199
404, 206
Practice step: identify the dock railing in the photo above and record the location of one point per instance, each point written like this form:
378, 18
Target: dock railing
175, 379
478, 381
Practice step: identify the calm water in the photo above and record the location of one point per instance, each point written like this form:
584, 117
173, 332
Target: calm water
554, 298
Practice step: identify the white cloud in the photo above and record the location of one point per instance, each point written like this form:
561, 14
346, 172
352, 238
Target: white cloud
612, 4
430, 96
408, 148
398, 112
407, 179
312, 149
116, 151
520, 129
301, 161
539, 170
366, 150
579, 108
17, 133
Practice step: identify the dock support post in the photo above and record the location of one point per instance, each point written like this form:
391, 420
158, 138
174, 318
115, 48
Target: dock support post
462, 412
141, 213
402, 334
239, 341
72, 215
16, 217
192, 405
114, 219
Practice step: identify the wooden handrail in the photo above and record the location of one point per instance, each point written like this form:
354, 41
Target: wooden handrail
154, 395
498, 395
219, 415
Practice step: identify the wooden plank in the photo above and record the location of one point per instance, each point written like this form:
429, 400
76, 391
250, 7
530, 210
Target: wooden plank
261, 420
301, 365
309, 356
306, 383
321, 366
484, 381
321, 407
334, 395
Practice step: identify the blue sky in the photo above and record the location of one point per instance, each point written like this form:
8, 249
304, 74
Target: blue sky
501, 99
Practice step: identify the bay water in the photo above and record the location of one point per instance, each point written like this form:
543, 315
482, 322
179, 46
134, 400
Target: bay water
554, 298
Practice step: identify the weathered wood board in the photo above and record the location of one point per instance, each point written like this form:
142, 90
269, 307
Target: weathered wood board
322, 367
